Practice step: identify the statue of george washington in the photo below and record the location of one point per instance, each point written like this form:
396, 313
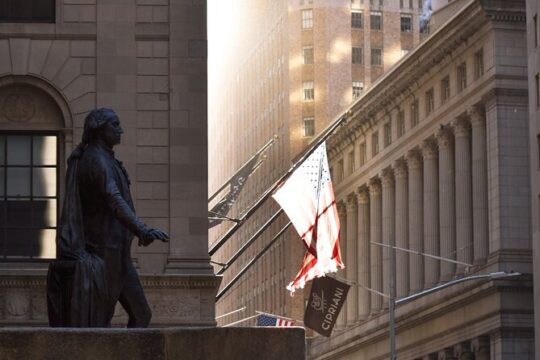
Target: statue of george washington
94, 269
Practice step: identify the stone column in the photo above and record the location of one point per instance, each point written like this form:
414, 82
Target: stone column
402, 229
447, 205
416, 221
342, 213
363, 247
351, 264
388, 229
431, 212
375, 235
464, 214
479, 186
481, 348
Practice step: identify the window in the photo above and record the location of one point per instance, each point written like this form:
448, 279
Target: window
406, 23
478, 64
357, 20
309, 91
445, 89
462, 77
420, 4
430, 101
357, 89
400, 123
308, 54
28, 189
375, 143
362, 157
415, 116
357, 55
535, 24
410, 4
537, 89
341, 170
40, 11
387, 134
375, 20
309, 126
350, 165
307, 19
376, 57
401, 4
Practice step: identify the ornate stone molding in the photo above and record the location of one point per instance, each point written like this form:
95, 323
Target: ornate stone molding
400, 168
351, 203
477, 116
414, 158
461, 127
429, 149
445, 137
362, 195
375, 187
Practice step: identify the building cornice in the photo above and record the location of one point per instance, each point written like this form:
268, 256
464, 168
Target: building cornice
410, 73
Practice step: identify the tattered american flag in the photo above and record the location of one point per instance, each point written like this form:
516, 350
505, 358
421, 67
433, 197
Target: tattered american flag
307, 198
269, 320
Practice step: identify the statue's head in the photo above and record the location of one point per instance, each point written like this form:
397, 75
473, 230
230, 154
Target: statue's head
103, 124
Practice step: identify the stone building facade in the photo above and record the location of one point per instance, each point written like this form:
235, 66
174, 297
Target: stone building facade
294, 66
435, 159
147, 60
533, 31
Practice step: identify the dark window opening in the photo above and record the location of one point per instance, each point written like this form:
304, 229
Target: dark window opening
28, 196
37, 11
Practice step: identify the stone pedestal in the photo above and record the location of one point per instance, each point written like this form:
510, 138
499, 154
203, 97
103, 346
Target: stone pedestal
156, 344
175, 300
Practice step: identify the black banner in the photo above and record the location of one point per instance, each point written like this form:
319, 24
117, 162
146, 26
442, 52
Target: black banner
325, 302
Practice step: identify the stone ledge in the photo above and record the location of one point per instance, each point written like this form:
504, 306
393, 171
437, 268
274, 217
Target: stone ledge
155, 344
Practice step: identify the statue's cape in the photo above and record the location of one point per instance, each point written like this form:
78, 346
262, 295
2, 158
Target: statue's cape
76, 281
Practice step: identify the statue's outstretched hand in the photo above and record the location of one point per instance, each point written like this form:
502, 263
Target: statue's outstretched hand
151, 235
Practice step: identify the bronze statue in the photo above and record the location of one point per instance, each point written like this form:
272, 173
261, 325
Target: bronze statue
94, 269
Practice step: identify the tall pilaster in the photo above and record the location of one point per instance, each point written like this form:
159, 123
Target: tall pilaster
431, 212
402, 229
447, 205
416, 220
342, 214
388, 230
464, 213
479, 186
375, 235
363, 247
481, 348
351, 265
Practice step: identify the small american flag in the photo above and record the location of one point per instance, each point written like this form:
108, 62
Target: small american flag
268, 320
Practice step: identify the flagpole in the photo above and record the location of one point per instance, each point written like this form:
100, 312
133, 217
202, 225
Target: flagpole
265, 146
313, 146
254, 237
252, 261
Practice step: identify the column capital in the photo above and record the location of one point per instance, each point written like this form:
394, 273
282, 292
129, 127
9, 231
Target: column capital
341, 208
387, 177
444, 137
400, 168
446, 354
362, 195
462, 350
480, 344
414, 158
429, 148
461, 127
476, 114
375, 186
351, 202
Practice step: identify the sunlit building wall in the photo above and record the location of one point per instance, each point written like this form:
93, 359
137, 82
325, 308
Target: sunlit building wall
288, 69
